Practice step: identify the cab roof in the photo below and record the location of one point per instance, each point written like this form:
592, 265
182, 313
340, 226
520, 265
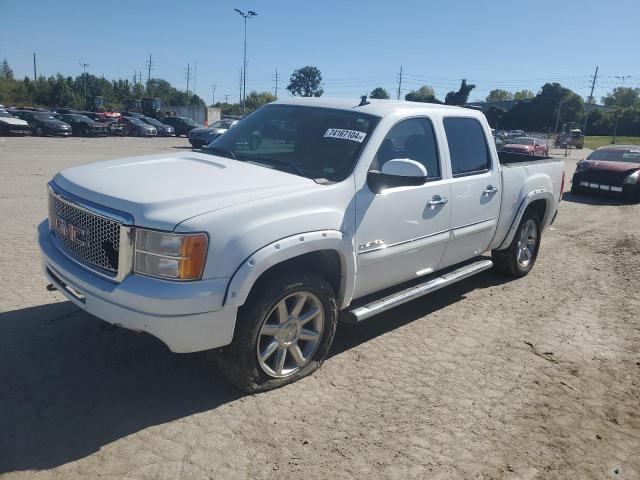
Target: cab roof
379, 108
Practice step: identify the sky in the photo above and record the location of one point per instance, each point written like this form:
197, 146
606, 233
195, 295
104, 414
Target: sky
357, 45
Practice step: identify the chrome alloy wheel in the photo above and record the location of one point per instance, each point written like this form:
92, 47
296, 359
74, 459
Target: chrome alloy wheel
290, 334
527, 243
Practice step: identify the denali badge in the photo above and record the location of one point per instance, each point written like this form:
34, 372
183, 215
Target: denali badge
68, 231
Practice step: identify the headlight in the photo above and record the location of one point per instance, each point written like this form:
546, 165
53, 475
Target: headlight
632, 179
170, 255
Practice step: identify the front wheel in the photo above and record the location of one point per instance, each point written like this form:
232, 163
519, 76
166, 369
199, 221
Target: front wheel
283, 332
39, 132
518, 258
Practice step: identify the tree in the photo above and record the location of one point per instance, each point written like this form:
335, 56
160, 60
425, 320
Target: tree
380, 93
424, 94
499, 95
523, 95
461, 96
255, 100
622, 97
494, 115
306, 82
5, 70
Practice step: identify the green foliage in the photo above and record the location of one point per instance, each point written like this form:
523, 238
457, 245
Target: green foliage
424, 94
623, 97
494, 115
231, 109
540, 113
255, 100
523, 95
461, 96
499, 95
5, 71
379, 93
306, 82
59, 91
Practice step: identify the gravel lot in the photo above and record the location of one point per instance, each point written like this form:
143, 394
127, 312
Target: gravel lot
491, 378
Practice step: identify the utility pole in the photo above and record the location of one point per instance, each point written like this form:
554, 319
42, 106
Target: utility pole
248, 14
241, 76
195, 72
213, 95
555, 131
589, 102
188, 76
226, 98
35, 73
615, 124
149, 68
276, 78
400, 83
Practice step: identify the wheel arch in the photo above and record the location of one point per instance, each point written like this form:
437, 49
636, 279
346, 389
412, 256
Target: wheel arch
328, 253
541, 202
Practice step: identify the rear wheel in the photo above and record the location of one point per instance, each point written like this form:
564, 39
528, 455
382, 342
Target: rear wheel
518, 259
283, 332
39, 132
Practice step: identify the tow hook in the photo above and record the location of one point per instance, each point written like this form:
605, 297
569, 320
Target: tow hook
51, 287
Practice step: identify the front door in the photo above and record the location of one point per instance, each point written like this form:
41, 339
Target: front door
402, 232
475, 194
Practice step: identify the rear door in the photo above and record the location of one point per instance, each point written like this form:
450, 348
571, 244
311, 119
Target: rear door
475, 195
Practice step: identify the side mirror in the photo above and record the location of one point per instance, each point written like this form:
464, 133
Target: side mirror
401, 172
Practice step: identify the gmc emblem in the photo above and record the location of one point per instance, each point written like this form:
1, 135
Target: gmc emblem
68, 231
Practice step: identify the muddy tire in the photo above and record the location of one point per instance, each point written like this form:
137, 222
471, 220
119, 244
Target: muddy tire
283, 332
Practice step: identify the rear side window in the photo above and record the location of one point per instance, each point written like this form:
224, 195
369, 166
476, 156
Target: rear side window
467, 146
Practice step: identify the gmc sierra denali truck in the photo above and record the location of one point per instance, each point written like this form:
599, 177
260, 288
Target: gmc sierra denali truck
299, 215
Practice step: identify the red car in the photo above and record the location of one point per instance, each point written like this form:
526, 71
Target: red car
526, 145
612, 169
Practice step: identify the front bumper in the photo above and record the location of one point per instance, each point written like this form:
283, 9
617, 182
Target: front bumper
186, 316
630, 191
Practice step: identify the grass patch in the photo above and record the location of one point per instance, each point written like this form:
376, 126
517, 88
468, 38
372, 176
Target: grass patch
594, 142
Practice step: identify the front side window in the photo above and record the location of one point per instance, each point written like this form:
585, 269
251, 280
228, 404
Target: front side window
314, 142
415, 139
467, 146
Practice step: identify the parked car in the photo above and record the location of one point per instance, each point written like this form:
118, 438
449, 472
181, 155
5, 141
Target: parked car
111, 123
134, 127
526, 145
254, 252
44, 123
199, 137
163, 129
83, 126
181, 125
10, 125
614, 169
574, 138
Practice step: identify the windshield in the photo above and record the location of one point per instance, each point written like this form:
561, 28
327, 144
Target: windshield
522, 141
318, 143
44, 116
4, 113
134, 120
221, 124
154, 122
76, 118
613, 155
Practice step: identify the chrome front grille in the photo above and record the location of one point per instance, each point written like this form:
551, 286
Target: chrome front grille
92, 239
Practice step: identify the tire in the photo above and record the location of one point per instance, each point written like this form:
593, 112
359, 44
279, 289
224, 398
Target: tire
512, 261
259, 330
39, 132
133, 133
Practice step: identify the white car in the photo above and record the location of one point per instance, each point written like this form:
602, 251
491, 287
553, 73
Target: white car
10, 125
255, 251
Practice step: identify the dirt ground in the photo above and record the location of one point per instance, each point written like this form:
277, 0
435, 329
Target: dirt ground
537, 378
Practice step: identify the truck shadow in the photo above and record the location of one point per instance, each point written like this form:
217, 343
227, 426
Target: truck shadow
72, 383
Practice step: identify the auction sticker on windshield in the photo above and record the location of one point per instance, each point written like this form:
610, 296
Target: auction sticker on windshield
352, 135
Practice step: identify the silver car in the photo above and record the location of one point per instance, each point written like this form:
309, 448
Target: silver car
199, 137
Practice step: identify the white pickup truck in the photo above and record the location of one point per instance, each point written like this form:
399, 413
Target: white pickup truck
298, 216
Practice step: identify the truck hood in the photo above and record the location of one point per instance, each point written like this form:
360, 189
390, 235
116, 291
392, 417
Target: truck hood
13, 121
160, 191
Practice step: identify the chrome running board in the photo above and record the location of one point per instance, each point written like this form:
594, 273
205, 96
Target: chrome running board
386, 303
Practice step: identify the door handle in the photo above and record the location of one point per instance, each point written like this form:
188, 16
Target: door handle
436, 201
490, 190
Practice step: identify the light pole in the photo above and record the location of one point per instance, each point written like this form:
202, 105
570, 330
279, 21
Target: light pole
615, 124
248, 14
84, 79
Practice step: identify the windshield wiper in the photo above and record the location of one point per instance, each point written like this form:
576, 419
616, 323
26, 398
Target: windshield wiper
225, 151
277, 162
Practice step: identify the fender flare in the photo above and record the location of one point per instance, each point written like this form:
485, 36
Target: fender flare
290, 247
538, 194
